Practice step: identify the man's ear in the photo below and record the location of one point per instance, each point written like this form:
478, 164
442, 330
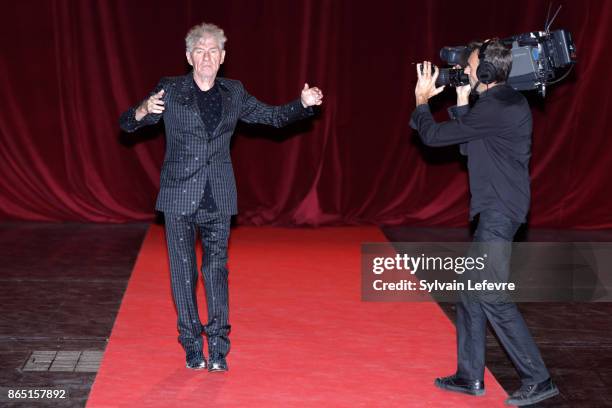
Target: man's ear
188, 55
222, 57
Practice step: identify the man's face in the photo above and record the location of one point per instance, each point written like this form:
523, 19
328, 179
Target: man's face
206, 57
471, 67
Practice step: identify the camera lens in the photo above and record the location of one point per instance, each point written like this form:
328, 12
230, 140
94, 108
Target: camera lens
443, 77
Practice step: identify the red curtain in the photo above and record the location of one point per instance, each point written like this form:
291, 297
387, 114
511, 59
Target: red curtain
69, 68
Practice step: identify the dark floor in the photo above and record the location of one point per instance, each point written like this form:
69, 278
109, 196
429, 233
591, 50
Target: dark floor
60, 289
61, 286
574, 338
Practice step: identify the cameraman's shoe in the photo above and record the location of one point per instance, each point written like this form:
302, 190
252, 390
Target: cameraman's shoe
533, 393
456, 384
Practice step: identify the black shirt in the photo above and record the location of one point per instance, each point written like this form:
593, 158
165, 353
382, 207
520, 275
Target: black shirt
495, 134
209, 103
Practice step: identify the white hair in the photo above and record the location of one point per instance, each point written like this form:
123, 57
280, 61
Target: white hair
205, 29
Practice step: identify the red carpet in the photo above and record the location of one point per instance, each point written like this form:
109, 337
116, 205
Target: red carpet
301, 336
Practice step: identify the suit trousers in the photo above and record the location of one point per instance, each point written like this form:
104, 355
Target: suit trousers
181, 234
494, 236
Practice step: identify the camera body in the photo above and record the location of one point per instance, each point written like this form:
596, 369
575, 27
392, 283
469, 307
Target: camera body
537, 59
454, 56
452, 77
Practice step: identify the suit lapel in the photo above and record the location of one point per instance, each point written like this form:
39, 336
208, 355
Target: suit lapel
225, 105
188, 97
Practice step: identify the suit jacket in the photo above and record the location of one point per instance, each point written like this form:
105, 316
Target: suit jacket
194, 153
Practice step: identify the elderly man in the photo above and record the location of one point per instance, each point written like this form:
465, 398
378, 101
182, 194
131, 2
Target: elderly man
197, 188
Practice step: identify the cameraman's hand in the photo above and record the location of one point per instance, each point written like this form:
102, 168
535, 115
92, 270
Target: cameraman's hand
426, 85
463, 95
463, 92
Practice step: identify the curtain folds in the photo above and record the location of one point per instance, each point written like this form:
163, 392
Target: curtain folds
69, 68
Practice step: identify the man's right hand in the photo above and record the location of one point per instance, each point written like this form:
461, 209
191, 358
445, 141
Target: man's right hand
463, 92
152, 105
463, 95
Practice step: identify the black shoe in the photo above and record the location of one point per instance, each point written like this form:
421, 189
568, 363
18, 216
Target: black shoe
217, 364
456, 384
196, 364
533, 393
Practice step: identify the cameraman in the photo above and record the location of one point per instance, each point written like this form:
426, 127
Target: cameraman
495, 135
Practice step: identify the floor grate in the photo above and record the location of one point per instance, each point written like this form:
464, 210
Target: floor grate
87, 361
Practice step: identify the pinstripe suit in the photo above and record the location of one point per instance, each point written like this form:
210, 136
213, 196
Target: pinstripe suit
194, 155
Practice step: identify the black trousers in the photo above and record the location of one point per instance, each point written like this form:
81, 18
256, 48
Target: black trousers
181, 234
494, 236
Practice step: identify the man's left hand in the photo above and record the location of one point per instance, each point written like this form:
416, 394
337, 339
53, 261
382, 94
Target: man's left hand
311, 96
426, 85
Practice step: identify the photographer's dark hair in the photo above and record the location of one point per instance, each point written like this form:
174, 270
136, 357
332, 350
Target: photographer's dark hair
498, 55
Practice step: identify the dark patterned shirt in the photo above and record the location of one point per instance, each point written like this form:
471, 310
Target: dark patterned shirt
209, 103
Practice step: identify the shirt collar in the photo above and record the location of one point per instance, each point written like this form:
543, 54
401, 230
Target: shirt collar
492, 91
